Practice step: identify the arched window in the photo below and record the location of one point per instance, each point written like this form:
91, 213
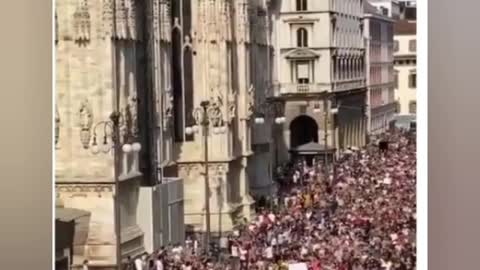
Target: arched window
302, 37
301, 5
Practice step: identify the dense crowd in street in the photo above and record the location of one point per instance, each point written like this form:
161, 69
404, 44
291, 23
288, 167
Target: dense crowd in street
361, 217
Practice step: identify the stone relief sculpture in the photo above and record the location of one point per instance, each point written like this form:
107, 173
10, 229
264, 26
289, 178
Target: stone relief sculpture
107, 16
85, 122
81, 21
121, 19
232, 107
166, 27
168, 111
214, 112
133, 114
132, 20
250, 102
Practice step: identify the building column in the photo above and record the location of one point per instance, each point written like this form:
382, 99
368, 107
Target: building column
348, 141
355, 133
247, 200
363, 132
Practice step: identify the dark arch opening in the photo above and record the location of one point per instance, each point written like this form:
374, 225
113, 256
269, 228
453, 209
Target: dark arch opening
303, 129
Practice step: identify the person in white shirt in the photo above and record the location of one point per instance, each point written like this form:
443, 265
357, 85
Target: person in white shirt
158, 264
269, 253
85, 265
138, 264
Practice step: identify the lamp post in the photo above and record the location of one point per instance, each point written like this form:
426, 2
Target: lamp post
208, 115
111, 138
273, 109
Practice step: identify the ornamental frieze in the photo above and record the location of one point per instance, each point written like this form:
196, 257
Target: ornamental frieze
74, 190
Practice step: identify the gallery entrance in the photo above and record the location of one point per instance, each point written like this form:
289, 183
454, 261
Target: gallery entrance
303, 129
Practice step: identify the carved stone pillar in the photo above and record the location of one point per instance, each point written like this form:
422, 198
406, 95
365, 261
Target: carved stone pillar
247, 200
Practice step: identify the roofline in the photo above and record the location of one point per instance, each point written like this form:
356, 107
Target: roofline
379, 16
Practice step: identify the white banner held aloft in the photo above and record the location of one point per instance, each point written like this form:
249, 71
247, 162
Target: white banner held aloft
297, 266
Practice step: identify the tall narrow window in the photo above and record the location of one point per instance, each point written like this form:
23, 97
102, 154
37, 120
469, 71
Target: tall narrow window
412, 80
412, 45
182, 71
412, 107
301, 5
302, 37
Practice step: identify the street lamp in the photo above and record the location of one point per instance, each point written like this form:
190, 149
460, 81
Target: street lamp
270, 108
208, 117
112, 138
273, 108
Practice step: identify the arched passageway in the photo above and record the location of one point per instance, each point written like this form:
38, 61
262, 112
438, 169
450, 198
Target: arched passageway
303, 129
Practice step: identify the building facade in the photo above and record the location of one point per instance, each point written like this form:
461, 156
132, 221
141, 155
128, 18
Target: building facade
320, 65
228, 44
390, 8
111, 59
405, 57
380, 71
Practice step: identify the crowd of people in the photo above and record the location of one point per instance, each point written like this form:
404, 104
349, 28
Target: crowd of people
362, 216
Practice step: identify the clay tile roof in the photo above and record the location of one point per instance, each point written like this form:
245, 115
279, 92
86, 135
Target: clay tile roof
404, 27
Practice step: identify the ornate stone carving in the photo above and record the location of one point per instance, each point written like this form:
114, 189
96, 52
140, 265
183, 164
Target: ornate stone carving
243, 33
188, 168
232, 107
81, 22
168, 114
217, 169
250, 102
107, 14
165, 18
214, 112
121, 19
85, 122
132, 20
83, 189
132, 114
226, 15
123, 124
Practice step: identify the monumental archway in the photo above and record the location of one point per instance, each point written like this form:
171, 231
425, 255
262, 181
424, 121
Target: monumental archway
303, 129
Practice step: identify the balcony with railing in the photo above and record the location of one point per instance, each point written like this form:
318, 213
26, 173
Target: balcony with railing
345, 85
298, 88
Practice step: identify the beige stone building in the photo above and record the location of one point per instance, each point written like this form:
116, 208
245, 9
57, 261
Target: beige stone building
229, 44
405, 54
319, 67
379, 66
156, 62
109, 59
